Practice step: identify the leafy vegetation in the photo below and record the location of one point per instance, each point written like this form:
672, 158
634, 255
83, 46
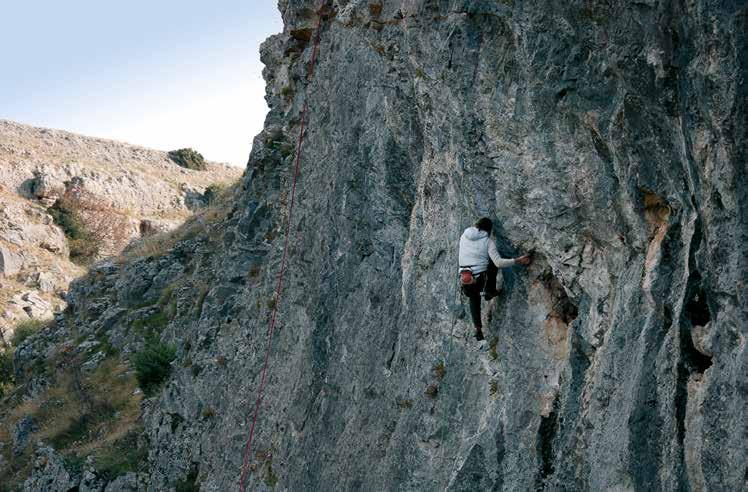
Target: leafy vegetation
213, 193
493, 388
21, 332
151, 325
124, 456
67, 220
89, 225
81, 415
153, 364
188, 158
6, 371
271, 479
25, 329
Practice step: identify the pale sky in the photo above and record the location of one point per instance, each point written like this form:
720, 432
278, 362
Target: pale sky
164, 74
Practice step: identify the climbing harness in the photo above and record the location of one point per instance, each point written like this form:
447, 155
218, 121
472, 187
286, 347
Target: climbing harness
279, 287
467, 277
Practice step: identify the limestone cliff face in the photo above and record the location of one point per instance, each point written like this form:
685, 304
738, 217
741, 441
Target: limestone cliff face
607, 137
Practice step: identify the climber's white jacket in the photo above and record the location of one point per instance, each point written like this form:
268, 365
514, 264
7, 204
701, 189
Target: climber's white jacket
476, 248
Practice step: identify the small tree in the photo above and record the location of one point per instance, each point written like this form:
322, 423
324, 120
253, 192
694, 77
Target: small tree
91, 225
189, 159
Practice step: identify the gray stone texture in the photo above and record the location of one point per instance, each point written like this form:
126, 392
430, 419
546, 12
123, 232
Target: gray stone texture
10, 262
608, 138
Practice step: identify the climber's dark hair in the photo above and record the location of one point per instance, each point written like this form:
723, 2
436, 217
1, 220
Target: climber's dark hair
484, 224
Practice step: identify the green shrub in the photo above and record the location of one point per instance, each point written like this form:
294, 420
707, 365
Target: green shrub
151, 325
189, 159
25, 329
153, 364
493, 388
75, 432
7, 379
271, 479
124, 457
214, 192
74, 463
84, 425
67, 219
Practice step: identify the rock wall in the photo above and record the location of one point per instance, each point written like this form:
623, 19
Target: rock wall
605, 137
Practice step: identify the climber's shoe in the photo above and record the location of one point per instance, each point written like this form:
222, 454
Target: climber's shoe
479, 335
490, 295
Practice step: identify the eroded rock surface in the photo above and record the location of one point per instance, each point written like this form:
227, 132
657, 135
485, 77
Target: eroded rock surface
605, 137
141, 188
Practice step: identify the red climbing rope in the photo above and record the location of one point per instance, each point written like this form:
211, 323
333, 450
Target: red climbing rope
279, 287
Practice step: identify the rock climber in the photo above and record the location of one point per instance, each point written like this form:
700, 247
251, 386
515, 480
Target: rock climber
479, 265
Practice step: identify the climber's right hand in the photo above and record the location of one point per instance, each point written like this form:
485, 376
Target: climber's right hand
524, 260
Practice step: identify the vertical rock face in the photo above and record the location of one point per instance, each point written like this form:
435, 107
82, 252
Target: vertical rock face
606, 137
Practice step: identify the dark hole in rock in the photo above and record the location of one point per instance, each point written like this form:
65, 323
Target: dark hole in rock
546, 434
563, 307
696, 309
303, 35
563, 93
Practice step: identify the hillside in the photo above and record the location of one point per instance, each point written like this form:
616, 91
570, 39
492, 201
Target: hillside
138, 191
605, 137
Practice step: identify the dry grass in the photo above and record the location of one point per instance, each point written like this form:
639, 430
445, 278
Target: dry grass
160, 244
80, 415
154, 245
439, 370
106, 392
432, 391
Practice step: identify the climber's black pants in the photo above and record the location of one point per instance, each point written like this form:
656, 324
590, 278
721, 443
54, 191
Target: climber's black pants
484, 282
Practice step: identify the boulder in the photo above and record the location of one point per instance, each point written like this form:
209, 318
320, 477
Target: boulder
46, 188
33, 304
22, 433
49, 473
10, 262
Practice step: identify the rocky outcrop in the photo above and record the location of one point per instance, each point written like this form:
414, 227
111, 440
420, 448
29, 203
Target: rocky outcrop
605, 137
141, 188
38, 162
10, 262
